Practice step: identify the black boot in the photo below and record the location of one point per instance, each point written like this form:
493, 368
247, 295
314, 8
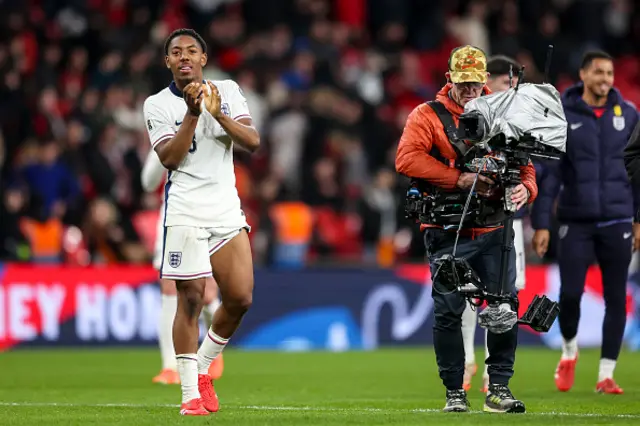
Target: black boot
456, 401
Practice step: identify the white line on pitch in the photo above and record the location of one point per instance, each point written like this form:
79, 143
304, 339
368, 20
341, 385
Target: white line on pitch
300, 408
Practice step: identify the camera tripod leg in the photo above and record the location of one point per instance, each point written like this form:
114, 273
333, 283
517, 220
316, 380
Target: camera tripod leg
499, 317
507, 246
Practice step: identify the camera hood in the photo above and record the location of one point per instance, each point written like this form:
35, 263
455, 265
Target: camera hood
528, 111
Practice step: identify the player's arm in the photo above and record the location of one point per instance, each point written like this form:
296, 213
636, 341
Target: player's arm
241, 131
238, 124
549, 184
172, 151
152, 172
171, 146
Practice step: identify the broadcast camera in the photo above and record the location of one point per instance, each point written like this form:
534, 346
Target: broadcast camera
505, 131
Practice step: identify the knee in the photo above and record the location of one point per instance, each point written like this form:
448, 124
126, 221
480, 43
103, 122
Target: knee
238, 304
192, 296
616, 300
570, 296
448, 310
245, 302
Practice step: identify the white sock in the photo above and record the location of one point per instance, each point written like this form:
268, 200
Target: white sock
213, 306
606, 369
208, 311
570, 348
165, 331
188, 369
469, 318
486, 354
209, 350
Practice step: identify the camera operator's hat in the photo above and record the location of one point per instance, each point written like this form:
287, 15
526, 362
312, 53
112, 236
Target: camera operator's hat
468, 64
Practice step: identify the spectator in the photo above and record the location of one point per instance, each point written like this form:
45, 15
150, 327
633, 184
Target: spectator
14, 245
52, 185
378, 210
111, 237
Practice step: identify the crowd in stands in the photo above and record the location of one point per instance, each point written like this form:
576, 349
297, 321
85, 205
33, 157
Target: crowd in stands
329, 84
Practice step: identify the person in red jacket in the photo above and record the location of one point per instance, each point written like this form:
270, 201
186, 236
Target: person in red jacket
425, 153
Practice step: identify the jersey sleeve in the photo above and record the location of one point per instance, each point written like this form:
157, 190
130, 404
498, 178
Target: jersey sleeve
158, 123
152, 172
237, 102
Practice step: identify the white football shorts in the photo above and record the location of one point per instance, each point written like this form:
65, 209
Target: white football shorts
518, 231
186, 250
157, 249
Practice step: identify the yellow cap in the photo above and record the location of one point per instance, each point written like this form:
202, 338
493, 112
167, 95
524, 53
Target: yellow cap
468, 64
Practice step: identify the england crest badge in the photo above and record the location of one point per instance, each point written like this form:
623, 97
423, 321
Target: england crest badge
618, 123
175, 258
618, 119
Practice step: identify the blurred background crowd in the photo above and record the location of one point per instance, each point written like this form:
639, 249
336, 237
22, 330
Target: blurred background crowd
329, 84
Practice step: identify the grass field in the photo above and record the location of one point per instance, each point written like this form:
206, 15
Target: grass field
387, 387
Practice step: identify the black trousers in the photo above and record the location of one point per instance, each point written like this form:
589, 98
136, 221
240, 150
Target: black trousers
579, 244
483, 254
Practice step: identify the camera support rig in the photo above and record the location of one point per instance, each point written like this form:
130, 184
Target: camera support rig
455, 274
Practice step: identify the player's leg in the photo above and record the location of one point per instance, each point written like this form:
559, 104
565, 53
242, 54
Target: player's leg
613, 251
469, 324
575, 254
185, 340
502, 347
211, 304
485, 374
185, 260
168, 307
232, 265
521, 261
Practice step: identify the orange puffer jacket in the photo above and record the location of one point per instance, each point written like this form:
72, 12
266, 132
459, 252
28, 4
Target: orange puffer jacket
424, 132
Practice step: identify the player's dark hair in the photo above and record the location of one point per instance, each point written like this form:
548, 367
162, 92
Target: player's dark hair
500, 64
188, 32
592, 55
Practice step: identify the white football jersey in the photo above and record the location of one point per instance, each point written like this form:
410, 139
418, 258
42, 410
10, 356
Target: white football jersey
202, 191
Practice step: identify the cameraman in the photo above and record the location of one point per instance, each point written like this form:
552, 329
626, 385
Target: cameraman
498, 67
595, 210
426, 153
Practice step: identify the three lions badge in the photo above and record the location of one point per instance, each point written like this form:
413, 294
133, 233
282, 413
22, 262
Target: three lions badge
175, 258
618, 120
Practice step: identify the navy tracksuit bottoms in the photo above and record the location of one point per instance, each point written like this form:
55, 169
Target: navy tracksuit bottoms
579, 245
483, 254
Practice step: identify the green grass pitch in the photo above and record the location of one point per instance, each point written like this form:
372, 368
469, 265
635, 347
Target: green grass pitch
386, 387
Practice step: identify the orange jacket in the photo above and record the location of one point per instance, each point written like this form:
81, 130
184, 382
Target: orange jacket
423, 132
